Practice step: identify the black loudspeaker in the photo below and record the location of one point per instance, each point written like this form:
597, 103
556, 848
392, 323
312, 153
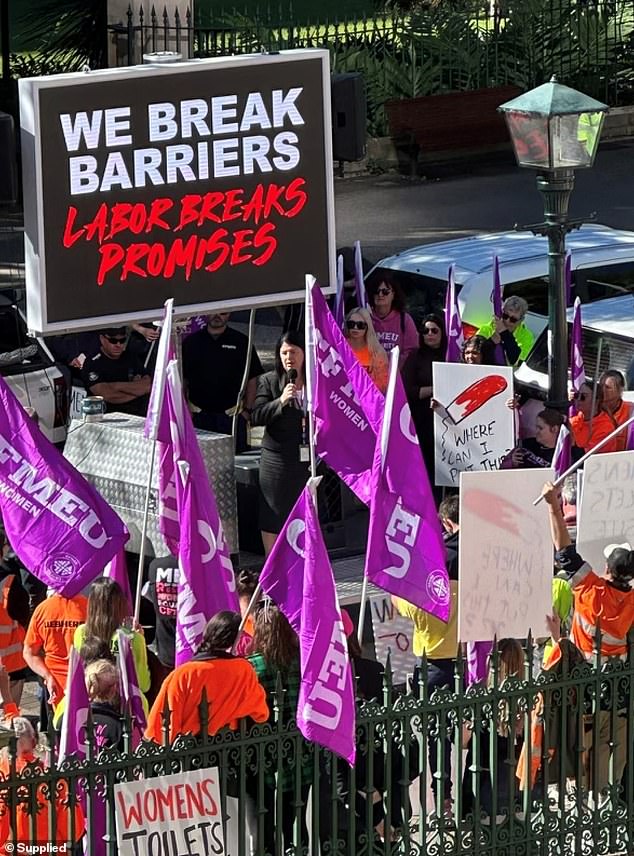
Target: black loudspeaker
8, 160
348, 116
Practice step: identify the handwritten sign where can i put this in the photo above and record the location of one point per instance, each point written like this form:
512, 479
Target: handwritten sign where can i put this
506, 555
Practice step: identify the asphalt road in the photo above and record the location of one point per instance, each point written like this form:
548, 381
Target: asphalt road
389, 213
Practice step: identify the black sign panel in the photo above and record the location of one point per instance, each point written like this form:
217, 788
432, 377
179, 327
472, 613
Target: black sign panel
209, 182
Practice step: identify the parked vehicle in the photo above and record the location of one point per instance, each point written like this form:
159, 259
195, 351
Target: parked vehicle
29, 369
608, 342
602, 262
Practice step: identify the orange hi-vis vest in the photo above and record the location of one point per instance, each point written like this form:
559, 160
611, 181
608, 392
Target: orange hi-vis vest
600, 605
11, 633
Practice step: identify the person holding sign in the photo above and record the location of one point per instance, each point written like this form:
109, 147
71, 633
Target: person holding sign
538, 451
417, 379
604, 603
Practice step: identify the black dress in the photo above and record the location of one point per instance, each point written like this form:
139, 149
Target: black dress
282, 475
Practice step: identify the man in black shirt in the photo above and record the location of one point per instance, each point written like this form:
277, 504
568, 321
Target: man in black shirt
214, 360
161, 590
116, 375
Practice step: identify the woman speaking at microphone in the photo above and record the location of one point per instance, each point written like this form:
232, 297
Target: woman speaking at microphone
280, 406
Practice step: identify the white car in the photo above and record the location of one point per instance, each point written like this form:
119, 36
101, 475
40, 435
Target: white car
30, 371
602, 266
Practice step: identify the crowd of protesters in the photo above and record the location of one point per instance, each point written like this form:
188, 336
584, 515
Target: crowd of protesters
239, 672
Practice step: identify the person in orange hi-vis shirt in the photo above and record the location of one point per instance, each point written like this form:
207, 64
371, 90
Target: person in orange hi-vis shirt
30, 824
50, 638
231, 685
602, 603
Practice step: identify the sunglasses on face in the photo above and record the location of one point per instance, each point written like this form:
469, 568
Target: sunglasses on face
430, 331
507, 317
116, 340
356, 325
384, 291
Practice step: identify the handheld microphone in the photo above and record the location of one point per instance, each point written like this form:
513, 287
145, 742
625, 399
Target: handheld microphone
292, 377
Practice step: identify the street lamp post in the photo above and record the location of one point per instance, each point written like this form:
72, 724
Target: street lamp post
555, 130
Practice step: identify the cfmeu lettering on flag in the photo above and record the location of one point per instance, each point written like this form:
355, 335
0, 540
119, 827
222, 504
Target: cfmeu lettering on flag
170, 815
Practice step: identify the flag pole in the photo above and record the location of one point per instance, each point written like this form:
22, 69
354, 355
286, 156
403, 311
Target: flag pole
309, 364
585, 457
160, 395
245, 379
385, 436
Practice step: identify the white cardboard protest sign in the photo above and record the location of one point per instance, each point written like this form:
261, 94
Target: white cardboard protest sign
394, 634
176, 814
473, 427
506, 555
606, 512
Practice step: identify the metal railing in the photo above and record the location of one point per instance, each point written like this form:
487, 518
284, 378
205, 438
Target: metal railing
432, 47
274, 784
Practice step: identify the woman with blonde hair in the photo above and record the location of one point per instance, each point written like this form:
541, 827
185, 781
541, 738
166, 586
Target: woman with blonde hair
366, 347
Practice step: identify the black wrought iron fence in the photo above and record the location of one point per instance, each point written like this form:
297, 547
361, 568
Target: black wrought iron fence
533, 764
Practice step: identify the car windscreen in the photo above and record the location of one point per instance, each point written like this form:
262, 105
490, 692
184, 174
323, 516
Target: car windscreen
612, 351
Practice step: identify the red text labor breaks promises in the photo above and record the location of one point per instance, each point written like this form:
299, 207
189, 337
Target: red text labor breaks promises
209, 181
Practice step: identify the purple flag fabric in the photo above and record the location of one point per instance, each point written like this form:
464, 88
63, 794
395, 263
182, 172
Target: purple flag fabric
206, 583
562, 457
568, 279
73, 734
73, 742
298, 578
496, 294
478, 654
163, 355
406, 553
346, 403
629, 441
340, 297
453, 322
117, 570
577, 369
497, 302
359, 282
60, 527
130, 692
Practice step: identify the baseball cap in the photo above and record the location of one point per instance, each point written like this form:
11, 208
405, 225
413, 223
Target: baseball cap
620, 560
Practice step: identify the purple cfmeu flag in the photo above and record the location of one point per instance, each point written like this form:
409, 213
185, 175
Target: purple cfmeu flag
345, 401
73, 733
340, 297
298, 578
129, 684
206, 581
60, 527
497, 303
73, 741
562, 456
406, 553
577, 369
164, 354
117, 570
359, 282
453, 322
568, 279
629, 441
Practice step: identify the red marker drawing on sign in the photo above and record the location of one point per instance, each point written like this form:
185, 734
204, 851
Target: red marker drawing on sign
473, 397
